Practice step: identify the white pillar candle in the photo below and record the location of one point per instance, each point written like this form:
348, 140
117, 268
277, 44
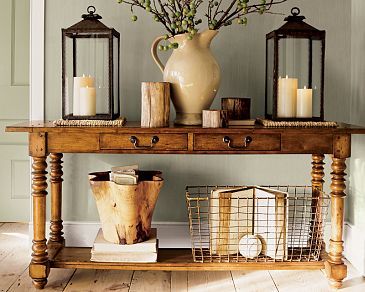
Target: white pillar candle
287, 97
87, 101
80, 82
304, 103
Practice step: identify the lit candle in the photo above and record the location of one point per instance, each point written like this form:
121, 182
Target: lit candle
287, 97
87, 101
304, 103
80, 82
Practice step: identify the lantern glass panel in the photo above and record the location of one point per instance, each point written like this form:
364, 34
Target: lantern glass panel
68, 76
270, 75
87, 55
294, 60
116, 75
317, 76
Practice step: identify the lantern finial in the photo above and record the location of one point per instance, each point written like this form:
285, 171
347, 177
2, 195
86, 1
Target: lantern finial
91, 13
295, 17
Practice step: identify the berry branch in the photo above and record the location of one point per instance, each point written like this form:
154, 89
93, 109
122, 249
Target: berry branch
179, 16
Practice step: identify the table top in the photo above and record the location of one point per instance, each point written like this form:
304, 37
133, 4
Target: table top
130, 127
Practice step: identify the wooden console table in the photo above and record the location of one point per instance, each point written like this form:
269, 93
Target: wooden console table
47, 140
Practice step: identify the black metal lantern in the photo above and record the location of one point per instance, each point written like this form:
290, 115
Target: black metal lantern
90, 70
295, 71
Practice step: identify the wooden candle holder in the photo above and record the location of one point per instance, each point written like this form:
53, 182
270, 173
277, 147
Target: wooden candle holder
155, 104
237, 108
214, 118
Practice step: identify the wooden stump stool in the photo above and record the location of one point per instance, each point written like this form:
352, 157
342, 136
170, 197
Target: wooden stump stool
126, 210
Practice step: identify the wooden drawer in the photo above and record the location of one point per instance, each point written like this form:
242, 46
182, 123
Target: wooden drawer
173, 142
255, 142
307, 143
72, 142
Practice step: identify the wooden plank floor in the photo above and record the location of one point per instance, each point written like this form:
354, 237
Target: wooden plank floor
14, 259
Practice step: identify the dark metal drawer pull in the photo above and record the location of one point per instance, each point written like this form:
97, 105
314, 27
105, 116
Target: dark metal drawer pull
246, 142
134, 141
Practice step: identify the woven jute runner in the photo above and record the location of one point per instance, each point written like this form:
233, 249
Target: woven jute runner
90, 123
296, 124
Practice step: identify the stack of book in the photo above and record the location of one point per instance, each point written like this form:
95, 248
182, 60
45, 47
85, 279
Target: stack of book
143, 252
124, 175
253, 210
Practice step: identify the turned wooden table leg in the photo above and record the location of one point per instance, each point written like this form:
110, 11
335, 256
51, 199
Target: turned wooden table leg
317, 171
335, 268
317, 217
39, 266
56, 234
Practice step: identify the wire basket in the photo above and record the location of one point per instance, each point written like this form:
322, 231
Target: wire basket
242, 224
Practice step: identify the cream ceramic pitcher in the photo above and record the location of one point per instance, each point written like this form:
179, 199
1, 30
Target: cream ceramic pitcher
193, 73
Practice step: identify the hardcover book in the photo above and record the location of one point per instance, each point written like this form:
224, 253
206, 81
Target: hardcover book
143, 252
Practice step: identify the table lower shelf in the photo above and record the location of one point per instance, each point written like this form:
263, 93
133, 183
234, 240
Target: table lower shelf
168, 260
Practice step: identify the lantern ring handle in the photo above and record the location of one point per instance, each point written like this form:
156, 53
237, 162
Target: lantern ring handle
295, 11
91, 9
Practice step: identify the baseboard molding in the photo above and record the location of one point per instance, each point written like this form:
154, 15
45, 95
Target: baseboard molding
177, 235
82, 234
354, 252
170, 234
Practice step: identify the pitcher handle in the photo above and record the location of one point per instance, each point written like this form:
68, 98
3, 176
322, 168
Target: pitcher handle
155, 55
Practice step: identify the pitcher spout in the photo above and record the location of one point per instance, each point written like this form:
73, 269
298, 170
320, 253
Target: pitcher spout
206, 37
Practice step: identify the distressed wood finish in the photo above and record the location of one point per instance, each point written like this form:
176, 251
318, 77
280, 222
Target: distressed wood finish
335, 268
155, 104
317, 184
37, 144
39, 266
169, 260
72, 141
56, 227
45, 138
307, 143
165, 141
260, 142
318, 171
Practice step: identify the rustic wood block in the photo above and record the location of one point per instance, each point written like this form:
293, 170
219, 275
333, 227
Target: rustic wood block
212, 119
238, 108
155, 104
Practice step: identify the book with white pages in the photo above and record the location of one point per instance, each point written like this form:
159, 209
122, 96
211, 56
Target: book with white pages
125, 169
231, 214
271, 221
124, 257
103, 246
235, 212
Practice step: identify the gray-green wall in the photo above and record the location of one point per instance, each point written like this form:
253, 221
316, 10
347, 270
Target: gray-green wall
356, 199
241, 54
